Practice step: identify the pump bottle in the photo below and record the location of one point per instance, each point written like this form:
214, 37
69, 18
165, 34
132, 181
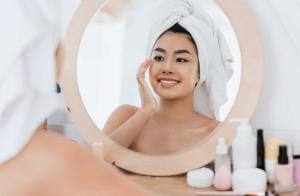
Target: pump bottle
244, 146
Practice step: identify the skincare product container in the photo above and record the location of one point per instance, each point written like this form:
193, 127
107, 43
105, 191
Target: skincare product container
244, 146
271, 156
296, 164
283, 172
249, 180
222, 157
200, 178
260, 150
222, 180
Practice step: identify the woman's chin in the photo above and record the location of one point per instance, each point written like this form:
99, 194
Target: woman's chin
167, 95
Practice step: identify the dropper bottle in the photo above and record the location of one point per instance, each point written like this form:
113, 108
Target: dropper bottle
222, 157
222, 180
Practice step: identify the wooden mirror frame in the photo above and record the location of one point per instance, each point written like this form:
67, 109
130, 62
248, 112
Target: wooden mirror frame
195, 156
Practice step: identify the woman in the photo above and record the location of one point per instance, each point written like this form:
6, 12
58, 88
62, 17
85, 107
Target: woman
34, 161
171, 122
189, 67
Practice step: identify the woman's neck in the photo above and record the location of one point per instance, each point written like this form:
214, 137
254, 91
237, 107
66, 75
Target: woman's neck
176, 110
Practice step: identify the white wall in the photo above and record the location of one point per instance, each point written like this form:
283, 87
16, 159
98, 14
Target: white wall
278, 110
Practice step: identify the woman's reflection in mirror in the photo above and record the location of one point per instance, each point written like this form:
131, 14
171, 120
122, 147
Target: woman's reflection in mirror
169, 123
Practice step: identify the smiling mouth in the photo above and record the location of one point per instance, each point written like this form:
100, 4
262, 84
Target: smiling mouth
168, 83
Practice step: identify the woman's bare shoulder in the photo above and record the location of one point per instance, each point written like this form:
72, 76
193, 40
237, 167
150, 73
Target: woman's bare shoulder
204, 127
124, 111
126, 108
207, 122
120, 115
214, 123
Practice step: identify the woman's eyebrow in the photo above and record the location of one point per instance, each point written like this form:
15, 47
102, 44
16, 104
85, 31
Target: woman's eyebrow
160, 50
182, 51
176, 52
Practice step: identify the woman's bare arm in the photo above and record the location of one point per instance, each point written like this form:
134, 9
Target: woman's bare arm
126, 122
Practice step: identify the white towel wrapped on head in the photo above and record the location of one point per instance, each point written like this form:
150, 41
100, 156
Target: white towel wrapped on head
27, 70
215, 58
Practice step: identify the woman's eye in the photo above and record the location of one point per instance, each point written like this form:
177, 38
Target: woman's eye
181, 60
158, 58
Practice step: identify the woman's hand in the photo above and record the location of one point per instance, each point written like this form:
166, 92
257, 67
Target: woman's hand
147, 99
126, 123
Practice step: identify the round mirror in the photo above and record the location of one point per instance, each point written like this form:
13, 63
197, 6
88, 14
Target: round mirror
173, 106
113, 47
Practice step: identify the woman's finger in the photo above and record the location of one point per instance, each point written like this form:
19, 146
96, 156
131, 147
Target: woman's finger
142, 69
145, 65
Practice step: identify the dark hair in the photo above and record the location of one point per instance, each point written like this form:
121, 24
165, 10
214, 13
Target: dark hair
177, 28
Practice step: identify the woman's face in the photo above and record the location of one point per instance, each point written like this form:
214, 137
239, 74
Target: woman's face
175, 71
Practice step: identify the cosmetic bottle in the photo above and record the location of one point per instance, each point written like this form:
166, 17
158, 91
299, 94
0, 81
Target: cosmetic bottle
222, 180
296, 164
283, 172
296, 170
244, 146
222, 157
260, 150
271, 156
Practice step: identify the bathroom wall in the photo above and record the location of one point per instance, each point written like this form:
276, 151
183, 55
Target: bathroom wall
278, 110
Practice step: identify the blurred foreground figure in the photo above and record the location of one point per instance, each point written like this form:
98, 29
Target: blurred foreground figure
32, 161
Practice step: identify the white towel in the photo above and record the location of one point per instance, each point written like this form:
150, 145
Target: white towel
213, 52
27, 70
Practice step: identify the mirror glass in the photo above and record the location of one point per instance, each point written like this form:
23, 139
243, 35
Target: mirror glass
114, 46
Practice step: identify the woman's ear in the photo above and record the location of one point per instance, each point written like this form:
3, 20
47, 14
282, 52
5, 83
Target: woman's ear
198, 79
198, 72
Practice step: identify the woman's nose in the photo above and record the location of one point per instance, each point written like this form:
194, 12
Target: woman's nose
167, 68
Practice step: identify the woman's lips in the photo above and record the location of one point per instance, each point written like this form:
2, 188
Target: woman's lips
168, 83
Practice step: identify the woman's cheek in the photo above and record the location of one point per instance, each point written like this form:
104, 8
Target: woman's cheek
152, 69
152, 76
